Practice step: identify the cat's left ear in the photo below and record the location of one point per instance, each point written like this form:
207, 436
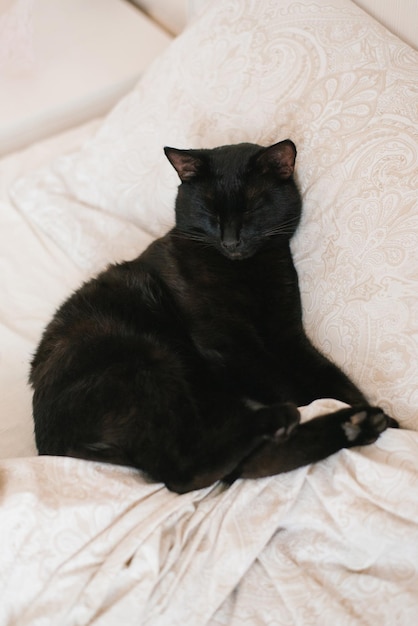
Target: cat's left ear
280, 158
187, 163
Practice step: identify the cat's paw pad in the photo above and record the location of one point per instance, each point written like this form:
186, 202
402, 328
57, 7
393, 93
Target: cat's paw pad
365, 425
290, 419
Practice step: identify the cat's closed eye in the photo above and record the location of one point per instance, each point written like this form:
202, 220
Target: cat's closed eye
254, 206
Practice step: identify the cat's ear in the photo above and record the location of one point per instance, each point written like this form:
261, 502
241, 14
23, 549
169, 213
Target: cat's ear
280, 158
186, 162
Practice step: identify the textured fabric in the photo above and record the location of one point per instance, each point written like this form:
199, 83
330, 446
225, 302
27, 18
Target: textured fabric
346, 91
336, 543
58, 69
35, 276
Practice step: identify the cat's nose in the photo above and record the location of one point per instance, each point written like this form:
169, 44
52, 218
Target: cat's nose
231, 245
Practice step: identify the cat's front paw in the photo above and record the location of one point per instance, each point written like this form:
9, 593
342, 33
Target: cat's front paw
289, 419
278, 421
365, 424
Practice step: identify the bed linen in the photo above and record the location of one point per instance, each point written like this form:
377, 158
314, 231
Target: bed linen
30, 286
333, 543
63, 63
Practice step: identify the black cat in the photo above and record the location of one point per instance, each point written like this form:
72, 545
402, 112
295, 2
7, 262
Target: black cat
189, 362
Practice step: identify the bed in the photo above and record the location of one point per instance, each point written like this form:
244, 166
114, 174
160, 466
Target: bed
85, 543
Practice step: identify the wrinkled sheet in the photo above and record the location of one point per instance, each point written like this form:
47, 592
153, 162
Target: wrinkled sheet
334, 543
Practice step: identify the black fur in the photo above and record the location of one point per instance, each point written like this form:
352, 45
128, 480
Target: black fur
189, 361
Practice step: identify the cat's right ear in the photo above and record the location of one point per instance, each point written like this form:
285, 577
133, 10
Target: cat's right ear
279, 158
186, 162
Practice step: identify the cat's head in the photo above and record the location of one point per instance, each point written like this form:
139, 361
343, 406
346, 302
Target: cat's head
238, 198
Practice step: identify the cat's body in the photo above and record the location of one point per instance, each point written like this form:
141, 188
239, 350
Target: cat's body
189, 361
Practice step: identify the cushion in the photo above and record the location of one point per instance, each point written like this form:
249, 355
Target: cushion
345, 90
62, 64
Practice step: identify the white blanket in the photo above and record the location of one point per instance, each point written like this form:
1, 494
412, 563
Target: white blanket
334, 543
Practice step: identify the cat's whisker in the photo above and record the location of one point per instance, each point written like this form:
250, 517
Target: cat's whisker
285, 228
190, 236
278, 231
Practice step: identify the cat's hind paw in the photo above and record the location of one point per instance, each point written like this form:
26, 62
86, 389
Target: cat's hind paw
365, 425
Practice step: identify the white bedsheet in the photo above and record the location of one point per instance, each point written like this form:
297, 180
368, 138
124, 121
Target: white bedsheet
335, 543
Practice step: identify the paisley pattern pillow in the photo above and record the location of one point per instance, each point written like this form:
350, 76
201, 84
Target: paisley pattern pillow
346, 91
